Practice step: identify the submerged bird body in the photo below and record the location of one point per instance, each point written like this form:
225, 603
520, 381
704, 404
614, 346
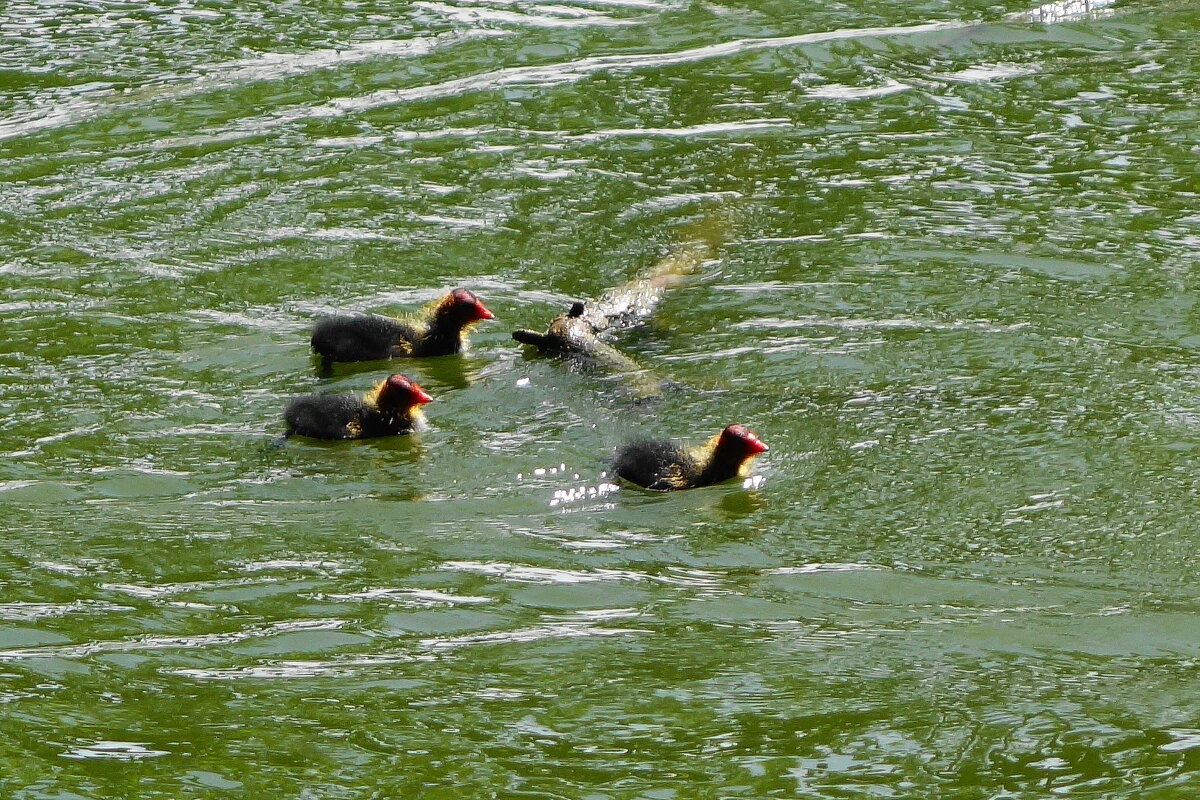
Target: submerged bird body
664, 465
391, 408
441, 329
573, 335
576, 335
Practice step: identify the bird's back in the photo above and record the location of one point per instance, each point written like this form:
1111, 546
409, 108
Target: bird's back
324, 416
365, 337
655, 464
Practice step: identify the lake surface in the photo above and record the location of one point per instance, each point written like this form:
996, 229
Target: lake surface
958, 299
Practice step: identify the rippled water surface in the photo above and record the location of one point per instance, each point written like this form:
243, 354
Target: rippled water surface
958, 299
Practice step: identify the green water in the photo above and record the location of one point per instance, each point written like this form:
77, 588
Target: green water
960, 304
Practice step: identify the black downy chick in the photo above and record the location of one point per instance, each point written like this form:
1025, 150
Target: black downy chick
440, 329
665, 466
393, 407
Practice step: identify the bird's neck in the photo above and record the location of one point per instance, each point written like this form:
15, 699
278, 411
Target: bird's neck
441, 329
721, 460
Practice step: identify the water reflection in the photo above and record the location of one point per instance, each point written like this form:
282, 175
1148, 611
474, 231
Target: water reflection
119, 751
1066, 11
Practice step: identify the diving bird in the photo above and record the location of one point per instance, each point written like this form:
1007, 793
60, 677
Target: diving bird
572, 335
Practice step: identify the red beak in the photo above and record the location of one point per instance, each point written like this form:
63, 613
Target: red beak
403, 386
481, 311
752, 443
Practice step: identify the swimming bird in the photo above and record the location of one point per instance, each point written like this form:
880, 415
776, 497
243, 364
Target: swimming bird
572, 336
439, 329
578, 335
663, 465
393, 407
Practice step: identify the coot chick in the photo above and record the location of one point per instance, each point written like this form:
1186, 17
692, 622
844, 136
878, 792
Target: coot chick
440, 329
663, 465
391, 408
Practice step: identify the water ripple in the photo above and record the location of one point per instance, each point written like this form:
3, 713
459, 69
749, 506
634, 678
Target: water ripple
32, 611
1065, 11
522, 574
569, 72
91, 101
411, 597
817, 567
561, 630
171, 642
320, 567
155, 592
566, 72
545, 16
117, 751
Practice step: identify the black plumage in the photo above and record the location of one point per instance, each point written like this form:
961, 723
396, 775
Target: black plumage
663, 465
361, 338
438, 330
389, 409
